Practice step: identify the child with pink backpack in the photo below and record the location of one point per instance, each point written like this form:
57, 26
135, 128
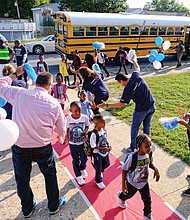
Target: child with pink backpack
59, 90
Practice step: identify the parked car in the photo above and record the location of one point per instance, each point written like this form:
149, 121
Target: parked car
5, 41
45, 45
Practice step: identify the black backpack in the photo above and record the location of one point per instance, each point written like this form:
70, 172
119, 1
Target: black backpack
87, 148
134, 160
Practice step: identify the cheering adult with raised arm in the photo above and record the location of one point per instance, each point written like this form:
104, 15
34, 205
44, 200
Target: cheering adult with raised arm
36, 113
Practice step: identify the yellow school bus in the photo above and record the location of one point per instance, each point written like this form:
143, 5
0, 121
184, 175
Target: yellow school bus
78, 30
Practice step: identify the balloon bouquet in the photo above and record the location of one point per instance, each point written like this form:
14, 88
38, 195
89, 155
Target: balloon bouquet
156, 57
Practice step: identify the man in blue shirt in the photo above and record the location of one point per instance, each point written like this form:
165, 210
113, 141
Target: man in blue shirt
137, 90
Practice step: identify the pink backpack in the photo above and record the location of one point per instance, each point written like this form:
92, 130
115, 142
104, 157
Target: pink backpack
64, 91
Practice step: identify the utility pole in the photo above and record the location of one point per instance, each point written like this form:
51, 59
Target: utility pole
18, 13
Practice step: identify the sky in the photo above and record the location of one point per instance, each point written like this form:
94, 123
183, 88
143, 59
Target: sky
141, 3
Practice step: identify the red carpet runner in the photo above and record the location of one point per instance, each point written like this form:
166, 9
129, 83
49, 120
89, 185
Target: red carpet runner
105, 201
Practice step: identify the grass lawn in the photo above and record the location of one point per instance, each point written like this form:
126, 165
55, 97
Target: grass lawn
171, 92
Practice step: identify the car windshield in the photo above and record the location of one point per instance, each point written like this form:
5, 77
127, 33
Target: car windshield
47, 38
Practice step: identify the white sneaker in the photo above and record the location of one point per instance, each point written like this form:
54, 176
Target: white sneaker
149, 217
121, 203
80, 180
101, 185
84, 173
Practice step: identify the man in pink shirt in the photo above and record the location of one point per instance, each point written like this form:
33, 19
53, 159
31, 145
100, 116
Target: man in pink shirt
36, 113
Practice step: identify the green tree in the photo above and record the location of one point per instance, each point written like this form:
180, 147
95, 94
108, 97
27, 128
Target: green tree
166, 5
9, 9
94, 5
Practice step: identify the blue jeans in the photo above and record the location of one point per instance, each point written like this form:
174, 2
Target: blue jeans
79, 158
100, 164
22, 161
138, 118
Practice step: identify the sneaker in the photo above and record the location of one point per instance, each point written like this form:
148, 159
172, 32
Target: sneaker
186, 192
121, 203
34, 206
80, 180
62, 202
188, 177
149, 217
128, 150
101, 185
84, 174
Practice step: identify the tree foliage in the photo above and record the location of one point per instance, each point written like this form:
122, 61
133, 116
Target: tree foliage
166, 5
104, 6
8, 8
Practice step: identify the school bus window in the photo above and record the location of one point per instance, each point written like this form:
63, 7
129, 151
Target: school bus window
145, 31
124, 31
60, 43
153, 30
102, 31
114, 31
55, 27
162, 31
179, 31
64, 30
90, 31
134, 30
78, 31
60, 28
170, 31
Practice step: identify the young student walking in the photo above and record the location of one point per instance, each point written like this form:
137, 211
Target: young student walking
135, 178
77, 127
42, 65
86, 106
63, 66
59, 90
101, 148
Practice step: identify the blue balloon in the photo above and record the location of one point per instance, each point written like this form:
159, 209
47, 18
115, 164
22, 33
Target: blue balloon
154, 52
97, 45
160, 57
170, 123
152, 58
30, 71
2, 102
158, 41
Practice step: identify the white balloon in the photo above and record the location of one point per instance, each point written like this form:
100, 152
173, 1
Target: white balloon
9, 133
3, 113
166, 45
157, 65
131, 54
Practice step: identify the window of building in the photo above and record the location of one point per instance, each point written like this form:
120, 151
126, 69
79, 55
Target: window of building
134, 30
145, 31
162, 31
114, 31
124, 31
90, 31
78, 31
60, 28
102, 31
153, 30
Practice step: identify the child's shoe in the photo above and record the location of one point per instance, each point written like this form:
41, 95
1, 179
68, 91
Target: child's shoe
101, 185
121, 203
80, 180
186, 192
84, 173
149, 217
